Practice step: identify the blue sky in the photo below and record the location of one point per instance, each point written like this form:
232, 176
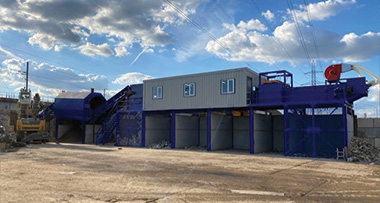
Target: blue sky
76, 45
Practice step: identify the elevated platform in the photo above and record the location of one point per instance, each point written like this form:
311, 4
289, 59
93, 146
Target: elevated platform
82, 106
318, 120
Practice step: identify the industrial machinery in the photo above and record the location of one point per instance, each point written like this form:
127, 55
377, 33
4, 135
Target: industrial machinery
318, 120
28, 122
332, 73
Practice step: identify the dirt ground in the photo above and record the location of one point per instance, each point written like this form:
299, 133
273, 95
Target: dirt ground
87, 173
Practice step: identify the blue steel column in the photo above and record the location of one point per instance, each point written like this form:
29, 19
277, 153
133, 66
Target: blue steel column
345, 134
199, 130
56, 128
251, 132
128, 128
232, 132
173, 130
117, 129
83, 131
272, 130
313, 129
208, 130
286, 131
143, 129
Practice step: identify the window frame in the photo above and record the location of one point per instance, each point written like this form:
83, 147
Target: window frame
189, 84
228, 86
162, 92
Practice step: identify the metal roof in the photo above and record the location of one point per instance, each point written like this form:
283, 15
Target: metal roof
205, 73
73, 95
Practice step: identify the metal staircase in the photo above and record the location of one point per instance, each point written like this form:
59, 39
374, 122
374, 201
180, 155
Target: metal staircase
129, 132
108, 133
123, 120
47, 113
105, 132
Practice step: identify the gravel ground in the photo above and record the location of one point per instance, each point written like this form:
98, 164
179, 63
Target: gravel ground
87, 173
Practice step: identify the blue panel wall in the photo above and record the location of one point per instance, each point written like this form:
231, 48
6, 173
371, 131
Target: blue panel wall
329, 135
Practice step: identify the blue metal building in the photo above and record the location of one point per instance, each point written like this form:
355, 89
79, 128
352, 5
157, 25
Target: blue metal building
317, 119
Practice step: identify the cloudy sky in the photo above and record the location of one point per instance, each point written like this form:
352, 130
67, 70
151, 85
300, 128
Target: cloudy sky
74, 45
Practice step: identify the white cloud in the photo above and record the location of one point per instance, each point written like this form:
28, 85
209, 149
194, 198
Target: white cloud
71, 23
46, 42
252, 25
374, 94
360, 47
131, 78
95, 50
58, 47
323, 10
8, 53
366, 112
250, 45
121, 51
268, 15
42, 78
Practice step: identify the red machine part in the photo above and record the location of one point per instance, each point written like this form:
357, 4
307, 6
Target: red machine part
332, 73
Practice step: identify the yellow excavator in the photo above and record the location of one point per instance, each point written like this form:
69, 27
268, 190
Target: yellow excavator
28, 120
29, 126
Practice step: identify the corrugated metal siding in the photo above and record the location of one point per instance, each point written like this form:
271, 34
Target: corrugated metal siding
207, 94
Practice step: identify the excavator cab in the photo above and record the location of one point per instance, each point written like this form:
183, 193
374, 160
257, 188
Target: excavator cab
28, 121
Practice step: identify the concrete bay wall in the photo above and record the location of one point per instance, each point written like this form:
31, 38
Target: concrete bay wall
91, 133
369, 130
221, 132
186, 131
241, 133
278, 133
203, 131
227, 132
63, 129
262, 133
157, 129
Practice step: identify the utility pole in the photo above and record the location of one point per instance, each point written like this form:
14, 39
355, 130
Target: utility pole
104, 92
313, 73
27, 75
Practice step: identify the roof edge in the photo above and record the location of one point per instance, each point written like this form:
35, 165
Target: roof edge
203, 73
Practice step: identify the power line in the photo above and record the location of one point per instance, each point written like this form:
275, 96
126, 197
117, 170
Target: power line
9, 89
313, 71
220, 7
5, 84
244, 34
184, 15
302, 41
298, 29
64, 74
48, 79
272, 62
272, 29
313, 31
223, 10
46, 59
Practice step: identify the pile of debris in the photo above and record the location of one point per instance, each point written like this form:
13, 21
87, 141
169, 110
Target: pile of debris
161, 145
5, 120
8, 140
364, 152
200, 148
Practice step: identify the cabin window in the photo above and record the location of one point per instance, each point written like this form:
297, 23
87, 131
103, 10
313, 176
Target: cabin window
189, 89
157, 92
227, 86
